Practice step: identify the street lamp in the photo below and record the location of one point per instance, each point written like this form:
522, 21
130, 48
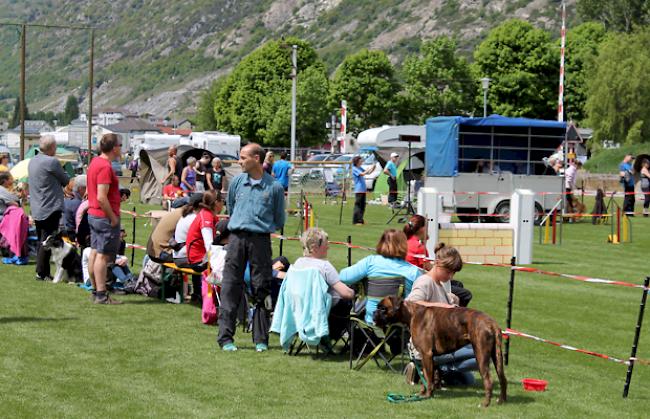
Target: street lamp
294, 73
485, 82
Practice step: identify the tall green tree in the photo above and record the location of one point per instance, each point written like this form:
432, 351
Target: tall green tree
15, 119
254, 101
71, 111
205, 119
581, 54
616, 15
618, 101
524, 69
366, 80
437, 81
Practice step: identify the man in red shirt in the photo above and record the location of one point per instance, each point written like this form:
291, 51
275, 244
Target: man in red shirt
103, 214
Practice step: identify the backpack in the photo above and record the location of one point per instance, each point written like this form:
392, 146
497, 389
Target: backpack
149, 280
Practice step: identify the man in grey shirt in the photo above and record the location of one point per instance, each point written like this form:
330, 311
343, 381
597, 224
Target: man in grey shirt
46, 182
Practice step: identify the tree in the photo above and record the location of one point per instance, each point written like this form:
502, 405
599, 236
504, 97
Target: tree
71, 111
254, 100
523, 68
616, 15
618, 101
205, 119
15, 119
436, 82
581, 53
366, 80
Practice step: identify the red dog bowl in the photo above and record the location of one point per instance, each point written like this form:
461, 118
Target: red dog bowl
533, 384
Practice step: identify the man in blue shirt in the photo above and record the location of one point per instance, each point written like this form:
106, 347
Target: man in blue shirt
256, 205
391, 171
627, 180
281, 169
358, 176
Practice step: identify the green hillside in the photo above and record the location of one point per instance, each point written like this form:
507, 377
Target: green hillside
146, 48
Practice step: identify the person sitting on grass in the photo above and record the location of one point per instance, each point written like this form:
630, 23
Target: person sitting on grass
429, 290
416, 233
388, 263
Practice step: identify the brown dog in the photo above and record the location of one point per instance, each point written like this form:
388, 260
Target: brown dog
575, 214
438, 330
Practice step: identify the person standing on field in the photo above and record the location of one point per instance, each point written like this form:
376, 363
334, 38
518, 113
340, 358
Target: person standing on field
103, 215
256, 205
46, 182
391, 171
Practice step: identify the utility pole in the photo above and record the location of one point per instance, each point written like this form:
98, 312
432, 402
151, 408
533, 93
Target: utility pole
91, 83
294, 73
22, 90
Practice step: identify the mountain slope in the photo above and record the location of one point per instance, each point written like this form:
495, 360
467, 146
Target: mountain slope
157, 56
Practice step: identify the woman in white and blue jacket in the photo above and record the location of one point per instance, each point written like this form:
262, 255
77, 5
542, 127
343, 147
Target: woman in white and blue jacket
382, 270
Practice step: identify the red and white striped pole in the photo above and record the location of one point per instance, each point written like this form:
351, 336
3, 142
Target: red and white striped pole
560, 101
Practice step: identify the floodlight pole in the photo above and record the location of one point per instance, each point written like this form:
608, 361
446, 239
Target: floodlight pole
91, 82
294, 73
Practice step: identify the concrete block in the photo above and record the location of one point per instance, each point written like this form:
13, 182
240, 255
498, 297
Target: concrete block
503, 250
475, 241
467, 233
498, 241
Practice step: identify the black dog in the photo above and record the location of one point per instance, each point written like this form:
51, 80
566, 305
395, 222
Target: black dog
65, 258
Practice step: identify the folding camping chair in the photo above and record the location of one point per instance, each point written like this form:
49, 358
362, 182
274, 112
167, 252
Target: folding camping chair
373, 337
300, 315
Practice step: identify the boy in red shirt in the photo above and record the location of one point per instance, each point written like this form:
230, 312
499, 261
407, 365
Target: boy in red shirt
103, 215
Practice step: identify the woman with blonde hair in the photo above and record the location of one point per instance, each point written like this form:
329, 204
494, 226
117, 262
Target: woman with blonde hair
387, 265
268, 162
430, 290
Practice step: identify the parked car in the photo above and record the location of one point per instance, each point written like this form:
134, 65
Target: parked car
312, 174
369, 161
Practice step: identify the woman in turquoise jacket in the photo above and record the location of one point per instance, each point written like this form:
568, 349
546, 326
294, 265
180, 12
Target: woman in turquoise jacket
389, 263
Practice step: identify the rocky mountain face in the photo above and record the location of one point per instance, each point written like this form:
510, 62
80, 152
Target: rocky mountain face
156, 57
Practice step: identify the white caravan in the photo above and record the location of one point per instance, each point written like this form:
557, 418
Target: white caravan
151, 141
219, 143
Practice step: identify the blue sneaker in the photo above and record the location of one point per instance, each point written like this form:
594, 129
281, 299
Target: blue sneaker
23, 260
8, 261
229, 347
261, 347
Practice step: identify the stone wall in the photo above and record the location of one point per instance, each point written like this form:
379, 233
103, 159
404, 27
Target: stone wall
483, 243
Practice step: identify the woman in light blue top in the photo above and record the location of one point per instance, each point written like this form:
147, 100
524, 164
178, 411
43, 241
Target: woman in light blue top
387, 271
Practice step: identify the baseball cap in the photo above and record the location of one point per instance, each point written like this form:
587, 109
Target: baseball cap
195, 198
394, 155
222, 231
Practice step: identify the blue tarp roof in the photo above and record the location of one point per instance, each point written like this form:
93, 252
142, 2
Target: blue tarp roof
442, 138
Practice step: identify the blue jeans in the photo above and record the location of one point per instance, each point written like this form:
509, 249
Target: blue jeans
456, 366
122, 273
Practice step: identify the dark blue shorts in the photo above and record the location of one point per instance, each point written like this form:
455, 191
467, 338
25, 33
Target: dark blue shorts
104, 238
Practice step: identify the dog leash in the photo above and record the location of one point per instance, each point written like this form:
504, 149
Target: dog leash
415, 397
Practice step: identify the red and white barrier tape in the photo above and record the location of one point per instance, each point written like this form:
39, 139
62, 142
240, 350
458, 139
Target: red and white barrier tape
512, 332
135, 246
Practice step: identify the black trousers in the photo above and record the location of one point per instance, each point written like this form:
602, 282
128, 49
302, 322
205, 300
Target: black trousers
255, 249
392, 190
359, 207
569, 198
628, 201
44, 228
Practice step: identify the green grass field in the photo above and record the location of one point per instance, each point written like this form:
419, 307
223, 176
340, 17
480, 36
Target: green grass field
61, 356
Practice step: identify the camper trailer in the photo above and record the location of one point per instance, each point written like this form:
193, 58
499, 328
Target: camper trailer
218, 143
477, 163
382, 141
151, 141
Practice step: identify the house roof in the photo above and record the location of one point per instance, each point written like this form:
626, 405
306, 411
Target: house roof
129, 125
178, 131
123, 111
35, 125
